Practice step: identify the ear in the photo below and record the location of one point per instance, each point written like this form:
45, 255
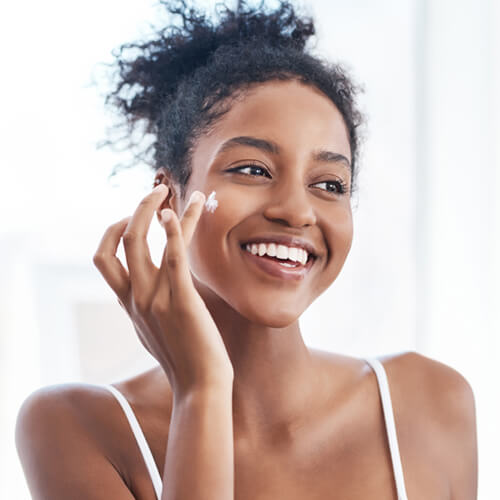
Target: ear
162, 176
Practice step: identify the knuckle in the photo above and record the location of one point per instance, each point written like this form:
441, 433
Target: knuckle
130, 237
173, 261
99, 259
159, 307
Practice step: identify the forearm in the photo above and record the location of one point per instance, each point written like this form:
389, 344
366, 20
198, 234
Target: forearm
199, 462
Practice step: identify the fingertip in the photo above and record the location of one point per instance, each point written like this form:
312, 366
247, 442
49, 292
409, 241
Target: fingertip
161, 188
166, 215
198, 196
124, 222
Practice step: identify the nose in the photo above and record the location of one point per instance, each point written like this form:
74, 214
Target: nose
291, 205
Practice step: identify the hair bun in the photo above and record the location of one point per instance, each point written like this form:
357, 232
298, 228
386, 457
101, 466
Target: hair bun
177, 51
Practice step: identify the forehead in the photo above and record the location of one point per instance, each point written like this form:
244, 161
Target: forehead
298, 117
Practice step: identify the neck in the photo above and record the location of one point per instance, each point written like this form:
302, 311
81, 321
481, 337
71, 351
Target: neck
274, 371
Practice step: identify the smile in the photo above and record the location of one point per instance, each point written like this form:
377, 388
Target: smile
279, 268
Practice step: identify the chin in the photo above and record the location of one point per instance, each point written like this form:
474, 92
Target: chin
272, 316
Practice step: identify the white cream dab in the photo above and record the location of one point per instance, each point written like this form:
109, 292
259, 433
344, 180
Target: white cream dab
211, 203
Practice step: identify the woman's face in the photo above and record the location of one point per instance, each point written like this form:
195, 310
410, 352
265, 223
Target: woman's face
289, 190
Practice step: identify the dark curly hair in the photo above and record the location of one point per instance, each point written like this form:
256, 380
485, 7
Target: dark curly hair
181, 81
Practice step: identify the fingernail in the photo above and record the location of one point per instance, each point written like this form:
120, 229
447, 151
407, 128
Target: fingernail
196, 196
166, 215
159, 187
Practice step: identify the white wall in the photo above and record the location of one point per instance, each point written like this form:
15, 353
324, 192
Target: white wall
423, 272
459, 295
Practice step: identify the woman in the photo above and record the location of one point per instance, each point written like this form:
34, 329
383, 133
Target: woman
238, 406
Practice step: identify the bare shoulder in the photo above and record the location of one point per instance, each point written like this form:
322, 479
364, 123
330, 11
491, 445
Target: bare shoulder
437, 404
442, 390
58, 431
77, 435
63, 407
417, 367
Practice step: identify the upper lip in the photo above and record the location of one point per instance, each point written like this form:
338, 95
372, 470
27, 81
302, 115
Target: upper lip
289, 241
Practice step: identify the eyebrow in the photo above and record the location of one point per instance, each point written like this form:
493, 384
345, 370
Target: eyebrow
268, 146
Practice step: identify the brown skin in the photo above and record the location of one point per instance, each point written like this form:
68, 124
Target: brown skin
257, 316
307, 424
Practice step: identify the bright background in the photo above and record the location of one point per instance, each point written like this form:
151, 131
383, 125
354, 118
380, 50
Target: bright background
424, 270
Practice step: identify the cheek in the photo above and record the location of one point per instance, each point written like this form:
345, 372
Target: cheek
212, 242
338, 232
343, 232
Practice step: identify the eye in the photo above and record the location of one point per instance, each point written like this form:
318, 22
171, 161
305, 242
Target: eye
252, 168
338, 187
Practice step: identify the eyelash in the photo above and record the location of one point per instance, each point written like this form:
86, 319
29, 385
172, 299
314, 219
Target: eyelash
341, 185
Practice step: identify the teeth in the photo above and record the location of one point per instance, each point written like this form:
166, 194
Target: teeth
293, 254
287, 264
271, 250
303, 256
280, 251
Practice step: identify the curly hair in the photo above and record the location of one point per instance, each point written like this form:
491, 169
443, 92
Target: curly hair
181, 81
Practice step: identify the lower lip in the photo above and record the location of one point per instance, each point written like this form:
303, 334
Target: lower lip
274, 268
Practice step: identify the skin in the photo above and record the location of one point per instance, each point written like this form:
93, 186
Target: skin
259, 321
306, 423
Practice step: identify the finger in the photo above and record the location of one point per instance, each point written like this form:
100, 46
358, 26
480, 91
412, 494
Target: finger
174, 269
108, 264
140, 265
191, 215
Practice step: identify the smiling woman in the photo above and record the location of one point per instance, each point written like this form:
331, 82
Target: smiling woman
239, 406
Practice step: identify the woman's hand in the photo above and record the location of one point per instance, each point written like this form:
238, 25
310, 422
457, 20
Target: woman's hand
168, 314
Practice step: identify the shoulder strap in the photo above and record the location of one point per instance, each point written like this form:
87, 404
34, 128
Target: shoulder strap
141, 440
390, 426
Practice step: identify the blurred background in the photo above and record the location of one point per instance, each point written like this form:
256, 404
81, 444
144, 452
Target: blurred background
424, 270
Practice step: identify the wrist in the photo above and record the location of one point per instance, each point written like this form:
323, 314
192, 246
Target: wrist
205, 393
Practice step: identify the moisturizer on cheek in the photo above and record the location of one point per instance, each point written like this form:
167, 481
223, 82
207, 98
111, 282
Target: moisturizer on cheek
211, 203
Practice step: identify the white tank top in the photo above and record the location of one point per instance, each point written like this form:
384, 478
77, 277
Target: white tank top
388, 418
